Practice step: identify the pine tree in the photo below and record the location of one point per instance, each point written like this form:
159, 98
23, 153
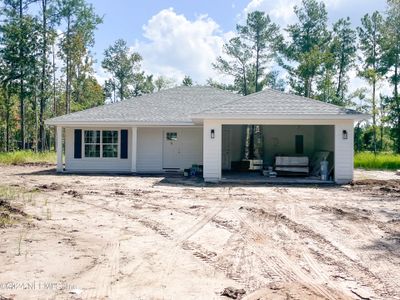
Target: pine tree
344, 52
370, 35
187, 81
80, 21
390, 43
305, 52
263, 38
237, 63
19, 52
123, 66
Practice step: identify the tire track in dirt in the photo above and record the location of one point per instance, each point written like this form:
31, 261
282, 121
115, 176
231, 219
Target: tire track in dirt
321, 274
181, 240
350, 264
277, 263
385, 287
282, 262
274, 262
104, 273
166, 232
362, 221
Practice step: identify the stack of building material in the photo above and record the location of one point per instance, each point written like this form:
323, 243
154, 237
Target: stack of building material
292, 165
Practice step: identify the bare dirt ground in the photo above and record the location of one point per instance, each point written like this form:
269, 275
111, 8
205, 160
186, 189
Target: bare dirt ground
124, 237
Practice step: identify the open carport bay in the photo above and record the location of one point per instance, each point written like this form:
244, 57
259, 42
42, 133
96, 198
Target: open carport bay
288, 149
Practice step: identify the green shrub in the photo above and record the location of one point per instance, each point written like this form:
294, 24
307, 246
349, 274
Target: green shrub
379, 161
27, 157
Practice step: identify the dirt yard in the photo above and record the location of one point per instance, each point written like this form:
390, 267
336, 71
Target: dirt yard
124, 237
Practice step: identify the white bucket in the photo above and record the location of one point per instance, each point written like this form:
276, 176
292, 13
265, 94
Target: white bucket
324, 170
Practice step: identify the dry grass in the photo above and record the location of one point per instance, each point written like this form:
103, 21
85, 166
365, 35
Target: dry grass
27, 157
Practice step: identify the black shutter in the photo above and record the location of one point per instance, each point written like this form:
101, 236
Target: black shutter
124, 143
299, 144
78, 143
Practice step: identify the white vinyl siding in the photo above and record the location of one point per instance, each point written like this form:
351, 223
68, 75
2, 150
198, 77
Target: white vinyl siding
344, 152
212, 151
94, 164
150, 148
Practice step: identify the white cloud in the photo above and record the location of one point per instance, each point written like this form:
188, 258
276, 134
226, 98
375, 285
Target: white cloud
281, 11
176, 46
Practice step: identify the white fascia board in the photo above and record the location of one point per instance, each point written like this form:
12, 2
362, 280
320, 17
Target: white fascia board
197, 118
116, 124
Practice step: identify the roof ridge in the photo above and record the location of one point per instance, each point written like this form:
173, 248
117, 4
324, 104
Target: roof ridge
305, 98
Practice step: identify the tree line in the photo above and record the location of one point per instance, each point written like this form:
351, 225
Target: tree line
46, 66
318, 59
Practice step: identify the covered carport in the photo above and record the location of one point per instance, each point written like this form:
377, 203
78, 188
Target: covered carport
290, 126
267, 152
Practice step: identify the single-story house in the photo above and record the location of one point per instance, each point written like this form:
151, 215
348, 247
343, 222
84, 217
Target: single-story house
171, 130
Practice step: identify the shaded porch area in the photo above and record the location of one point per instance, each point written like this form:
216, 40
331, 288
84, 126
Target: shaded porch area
278, 154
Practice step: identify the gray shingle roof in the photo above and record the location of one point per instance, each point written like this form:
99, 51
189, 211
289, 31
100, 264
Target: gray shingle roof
172, 105
272, 102
181, 104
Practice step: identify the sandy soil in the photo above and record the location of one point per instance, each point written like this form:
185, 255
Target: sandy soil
124, 237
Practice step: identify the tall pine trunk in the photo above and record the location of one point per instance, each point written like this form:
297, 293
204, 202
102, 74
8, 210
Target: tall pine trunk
339, 88
68, 70
8, 116
397, 101
43, 80
374, 114
54, 91
21, 81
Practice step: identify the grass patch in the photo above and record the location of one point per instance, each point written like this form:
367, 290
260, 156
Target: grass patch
9, 211
380, 161
27, 157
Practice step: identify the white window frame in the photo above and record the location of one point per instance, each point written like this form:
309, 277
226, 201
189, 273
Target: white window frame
101, 143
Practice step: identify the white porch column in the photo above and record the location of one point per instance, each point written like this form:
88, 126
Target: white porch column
212, 152
133, 149
344, 151
59, 149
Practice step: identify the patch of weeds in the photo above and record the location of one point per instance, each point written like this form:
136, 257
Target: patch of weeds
5, 219
9, 211
27, 157
377, 161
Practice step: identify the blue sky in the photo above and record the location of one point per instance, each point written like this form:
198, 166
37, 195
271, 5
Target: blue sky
185, 36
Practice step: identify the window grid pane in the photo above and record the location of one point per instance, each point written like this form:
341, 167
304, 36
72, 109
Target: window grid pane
110, 143
92, 137
110, 150
92, 150
110, 137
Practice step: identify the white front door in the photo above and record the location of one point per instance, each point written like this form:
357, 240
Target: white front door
226, 149
171, 148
